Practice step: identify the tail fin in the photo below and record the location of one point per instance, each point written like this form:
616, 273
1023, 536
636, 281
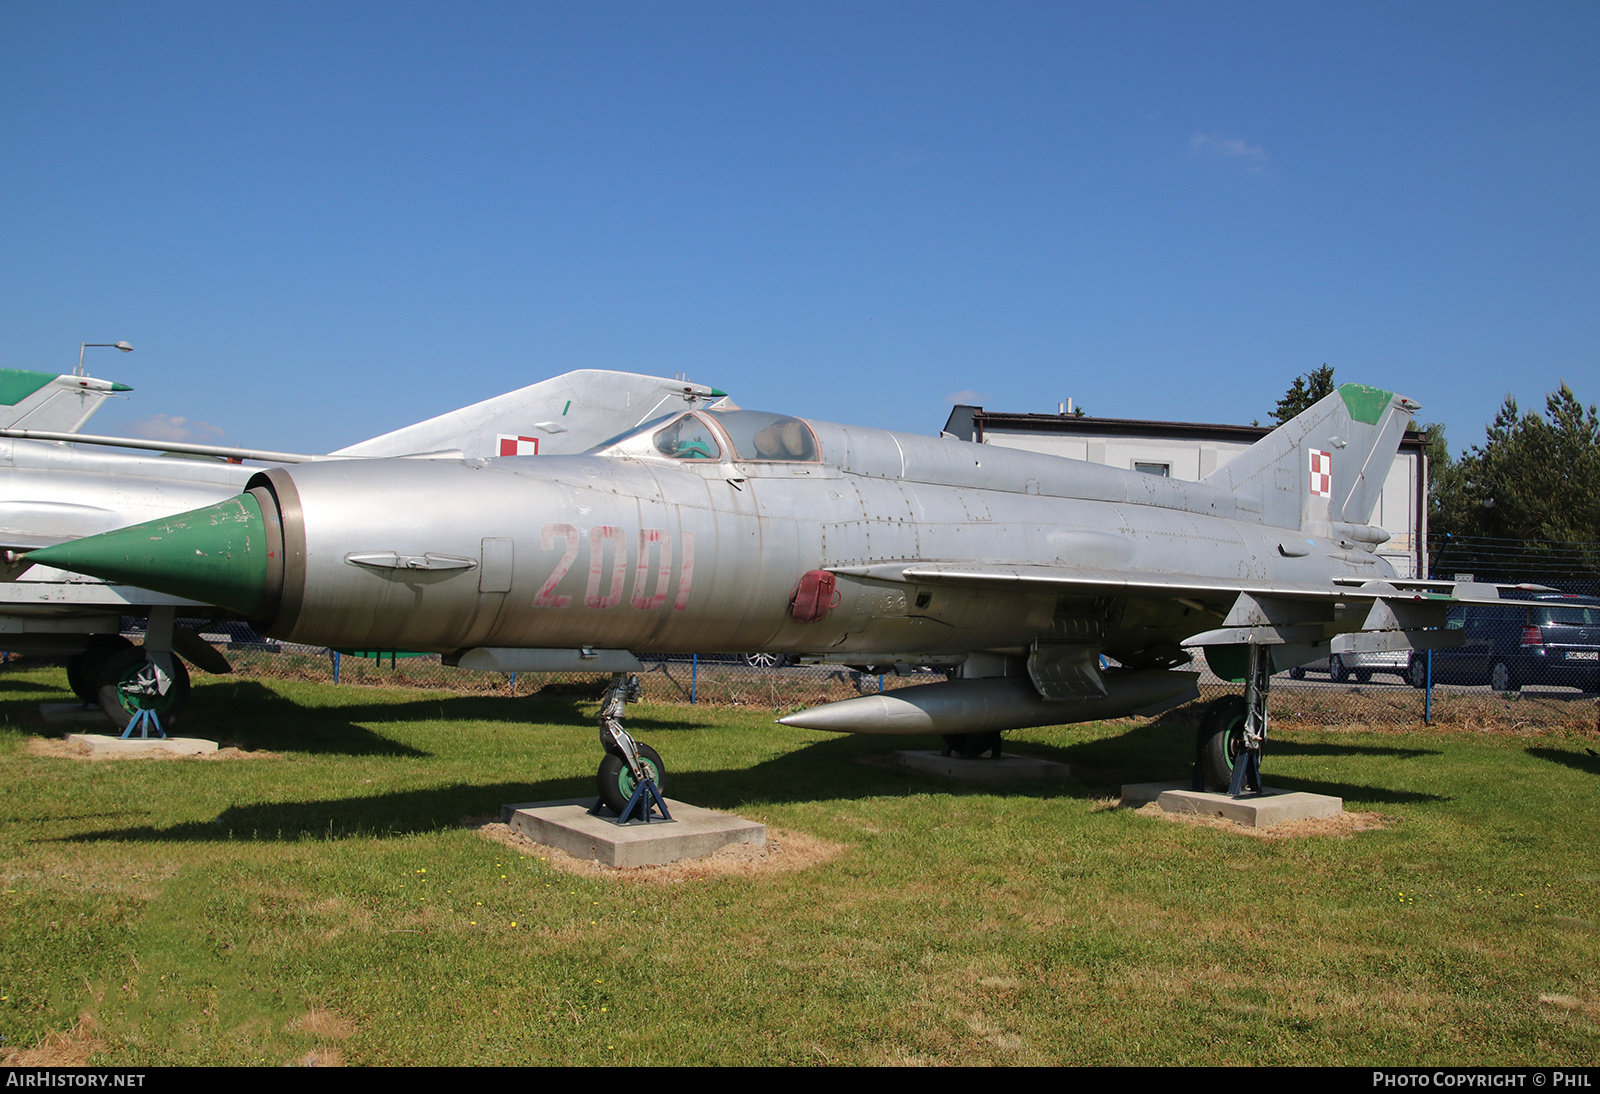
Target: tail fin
1327, 465
48, 402
566, 414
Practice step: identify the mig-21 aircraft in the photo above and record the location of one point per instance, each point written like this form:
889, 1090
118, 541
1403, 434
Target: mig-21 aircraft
1051, 590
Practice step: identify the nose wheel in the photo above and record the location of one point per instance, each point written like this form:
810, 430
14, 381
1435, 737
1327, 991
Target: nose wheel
631, 774
140, 689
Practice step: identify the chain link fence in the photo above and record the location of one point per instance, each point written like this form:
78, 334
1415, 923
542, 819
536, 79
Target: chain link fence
1312, 697
715, 680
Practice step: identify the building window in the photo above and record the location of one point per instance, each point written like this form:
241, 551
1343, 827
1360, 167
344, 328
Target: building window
1162, 469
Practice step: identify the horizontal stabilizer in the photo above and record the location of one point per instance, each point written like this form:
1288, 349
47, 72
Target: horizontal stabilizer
44, 400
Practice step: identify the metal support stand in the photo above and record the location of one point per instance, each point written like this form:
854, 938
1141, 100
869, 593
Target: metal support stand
155, 680
144, 721
647, 799
1247, 766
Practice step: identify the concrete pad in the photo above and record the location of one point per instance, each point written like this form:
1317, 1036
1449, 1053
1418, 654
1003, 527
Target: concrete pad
1272, 806
180, 746
1007, 769
72, 714
1138, 794
692, 833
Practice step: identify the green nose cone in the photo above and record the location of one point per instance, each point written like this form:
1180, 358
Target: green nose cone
217, 555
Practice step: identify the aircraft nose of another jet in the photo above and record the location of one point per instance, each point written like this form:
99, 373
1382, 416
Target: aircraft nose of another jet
216, 555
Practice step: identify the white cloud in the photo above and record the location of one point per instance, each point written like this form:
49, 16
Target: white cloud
1253, 156
161, 427
965, 398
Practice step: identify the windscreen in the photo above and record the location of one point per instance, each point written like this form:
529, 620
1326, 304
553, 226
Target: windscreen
757, 435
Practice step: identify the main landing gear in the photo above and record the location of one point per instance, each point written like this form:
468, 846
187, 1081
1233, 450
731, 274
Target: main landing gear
1232, 731
631, 774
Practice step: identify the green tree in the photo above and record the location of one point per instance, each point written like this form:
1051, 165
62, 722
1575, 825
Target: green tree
1303, 392
1526, 503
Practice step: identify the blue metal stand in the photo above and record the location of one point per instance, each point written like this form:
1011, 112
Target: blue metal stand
143, 720
642, 807
1246, 773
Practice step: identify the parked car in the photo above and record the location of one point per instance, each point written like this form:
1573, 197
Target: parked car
1342, 665
1528, 638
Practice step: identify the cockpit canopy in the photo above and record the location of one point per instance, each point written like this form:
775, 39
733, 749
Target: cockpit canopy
719, 435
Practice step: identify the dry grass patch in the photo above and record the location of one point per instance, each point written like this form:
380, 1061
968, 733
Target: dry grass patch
1570, 1003
784, 852
323, 1024
70, 1049
53, 748
74, 871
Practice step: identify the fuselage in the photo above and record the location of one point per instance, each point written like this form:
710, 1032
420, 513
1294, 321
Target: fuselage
631, 548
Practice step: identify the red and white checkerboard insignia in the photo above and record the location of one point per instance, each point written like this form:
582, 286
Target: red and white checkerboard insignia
1321, 474
513, 445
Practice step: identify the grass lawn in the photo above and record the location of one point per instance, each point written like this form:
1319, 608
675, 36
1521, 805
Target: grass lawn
321, 898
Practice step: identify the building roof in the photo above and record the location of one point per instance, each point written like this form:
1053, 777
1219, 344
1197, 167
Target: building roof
970, 423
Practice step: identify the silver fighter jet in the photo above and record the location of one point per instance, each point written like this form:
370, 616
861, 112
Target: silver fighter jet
1051, 590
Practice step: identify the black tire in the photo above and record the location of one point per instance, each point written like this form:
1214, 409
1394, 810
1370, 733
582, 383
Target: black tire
616, 782
126, 687
1336, 670
1219, 740
1297, 673
84, 669
1363, 676
1417, 672
1501, 677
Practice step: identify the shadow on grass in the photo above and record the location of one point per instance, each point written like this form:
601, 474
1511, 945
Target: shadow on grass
249, 706
1587, 762
247, 715
398, 814
829, 770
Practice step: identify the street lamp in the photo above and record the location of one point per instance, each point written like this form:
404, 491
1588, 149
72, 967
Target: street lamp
123, 346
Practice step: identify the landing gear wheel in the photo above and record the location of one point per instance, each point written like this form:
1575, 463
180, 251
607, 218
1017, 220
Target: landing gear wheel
617, 783
1219, 740
1417, 672
1362, 676
1336, 670
84, 669
1297, 673
128, 684
1500, 678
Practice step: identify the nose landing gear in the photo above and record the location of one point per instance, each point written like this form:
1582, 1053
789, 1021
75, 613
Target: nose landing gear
631, 774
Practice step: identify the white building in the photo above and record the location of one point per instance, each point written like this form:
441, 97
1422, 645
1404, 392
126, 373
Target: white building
1191, 451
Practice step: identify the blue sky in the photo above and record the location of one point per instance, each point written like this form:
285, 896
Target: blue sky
318, 222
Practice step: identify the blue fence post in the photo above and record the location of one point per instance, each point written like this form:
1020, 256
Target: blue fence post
335, 665
1427, 694
694, 675
513, 683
